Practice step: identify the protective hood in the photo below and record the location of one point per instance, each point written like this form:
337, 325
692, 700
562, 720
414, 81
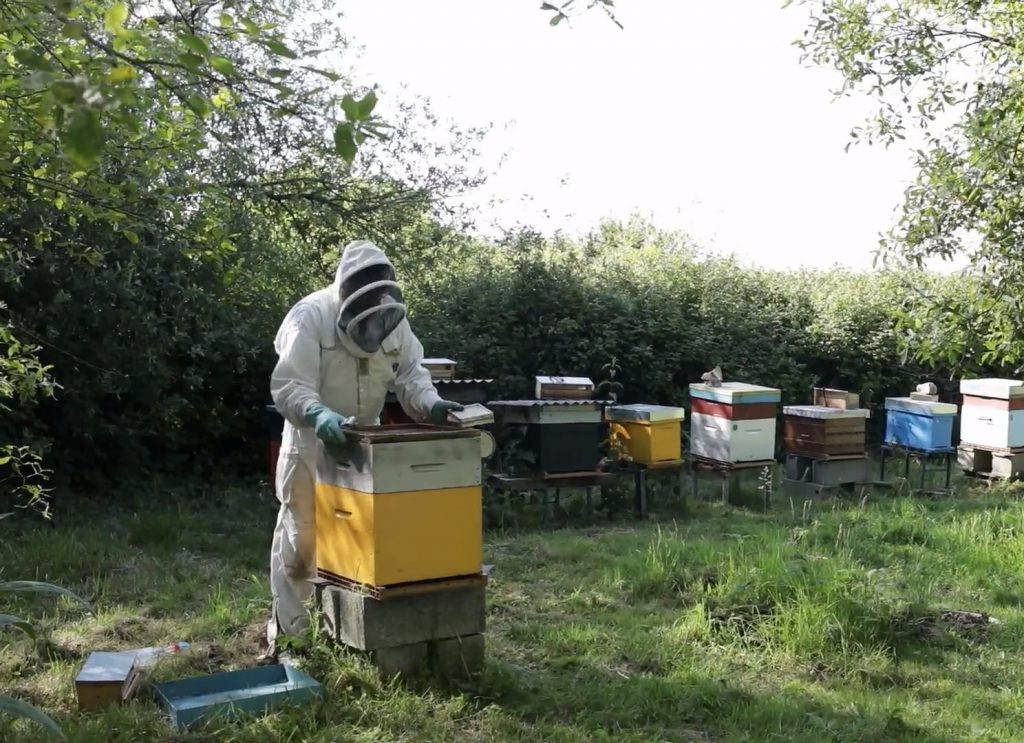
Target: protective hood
370, 301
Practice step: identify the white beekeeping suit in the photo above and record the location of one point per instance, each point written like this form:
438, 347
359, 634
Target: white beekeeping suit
340, 350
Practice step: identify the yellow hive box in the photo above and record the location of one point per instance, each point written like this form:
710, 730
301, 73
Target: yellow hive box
652, 432
401, 504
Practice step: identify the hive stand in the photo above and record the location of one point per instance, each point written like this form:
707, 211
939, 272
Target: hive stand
548, 483
729, 472
816, 476
435, 627
945, 454
640, 472
991, 464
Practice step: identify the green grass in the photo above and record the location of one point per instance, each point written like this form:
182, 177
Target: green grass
720, 623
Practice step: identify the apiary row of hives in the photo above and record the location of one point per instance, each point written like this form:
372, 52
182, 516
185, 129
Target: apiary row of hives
399, 508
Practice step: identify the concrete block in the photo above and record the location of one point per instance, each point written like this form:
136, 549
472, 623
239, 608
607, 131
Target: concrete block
1009, 466
825, 472
457, 657
797, 468
365, 623
841, 471
974, 460
403, 660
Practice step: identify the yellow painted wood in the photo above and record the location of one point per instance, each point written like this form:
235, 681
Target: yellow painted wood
653, 442
388, 538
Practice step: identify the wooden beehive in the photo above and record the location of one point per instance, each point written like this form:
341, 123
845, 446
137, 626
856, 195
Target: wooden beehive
829, 398
440, 368
818, 431
400, 504
564, 388
733, 422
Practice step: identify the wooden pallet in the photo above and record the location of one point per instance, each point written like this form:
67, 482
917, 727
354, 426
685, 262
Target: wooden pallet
383, 593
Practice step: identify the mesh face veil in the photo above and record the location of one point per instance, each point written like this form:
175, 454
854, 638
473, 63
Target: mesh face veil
371, 306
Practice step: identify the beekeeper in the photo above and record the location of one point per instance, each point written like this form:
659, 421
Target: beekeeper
340, 350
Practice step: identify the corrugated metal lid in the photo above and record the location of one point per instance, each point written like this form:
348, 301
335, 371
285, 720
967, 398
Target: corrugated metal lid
574, 381
538, 403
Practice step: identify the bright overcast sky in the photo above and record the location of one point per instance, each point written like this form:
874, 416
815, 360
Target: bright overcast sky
698, 114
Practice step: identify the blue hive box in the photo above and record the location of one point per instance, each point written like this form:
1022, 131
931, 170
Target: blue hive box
919, 424
252, 691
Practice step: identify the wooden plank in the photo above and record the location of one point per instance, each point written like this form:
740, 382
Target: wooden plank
542, 481
994, 450
383, 593
714, 464
668, 465
403, 432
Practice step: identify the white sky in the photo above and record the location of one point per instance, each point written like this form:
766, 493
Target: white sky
698, 114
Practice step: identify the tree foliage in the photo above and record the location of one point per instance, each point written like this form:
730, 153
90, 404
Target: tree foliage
175, 175
947, 76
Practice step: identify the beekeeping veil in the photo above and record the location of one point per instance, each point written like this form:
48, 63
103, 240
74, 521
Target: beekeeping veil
371, 301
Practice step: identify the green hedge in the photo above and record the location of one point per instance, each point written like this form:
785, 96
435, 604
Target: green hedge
532, 307
163, 361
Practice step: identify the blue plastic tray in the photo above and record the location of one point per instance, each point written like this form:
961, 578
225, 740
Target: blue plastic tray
252, 691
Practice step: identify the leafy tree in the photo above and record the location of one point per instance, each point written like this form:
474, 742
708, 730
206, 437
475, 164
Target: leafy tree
947, 75
152, 270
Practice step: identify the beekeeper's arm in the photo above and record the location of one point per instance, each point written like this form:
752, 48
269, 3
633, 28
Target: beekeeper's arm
295, 381
413, 386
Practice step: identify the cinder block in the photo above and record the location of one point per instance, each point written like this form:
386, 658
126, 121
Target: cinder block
827, 472
1010, 466
457, 657
365, 623
797, 467
841, 471
974, 460
403, 660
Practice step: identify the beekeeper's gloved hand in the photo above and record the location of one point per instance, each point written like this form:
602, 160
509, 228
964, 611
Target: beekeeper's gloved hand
327, 424
439, 413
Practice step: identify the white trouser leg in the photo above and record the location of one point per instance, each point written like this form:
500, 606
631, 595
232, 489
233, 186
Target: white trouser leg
293, 553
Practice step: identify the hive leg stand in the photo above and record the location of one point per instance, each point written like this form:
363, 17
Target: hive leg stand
924, 456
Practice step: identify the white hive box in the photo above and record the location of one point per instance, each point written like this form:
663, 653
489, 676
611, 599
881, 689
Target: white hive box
733, 422
992, 416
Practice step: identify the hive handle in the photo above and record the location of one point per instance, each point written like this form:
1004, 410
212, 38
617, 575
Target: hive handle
427, 467
342, 514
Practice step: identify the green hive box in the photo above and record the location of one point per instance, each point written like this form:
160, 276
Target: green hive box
252, 691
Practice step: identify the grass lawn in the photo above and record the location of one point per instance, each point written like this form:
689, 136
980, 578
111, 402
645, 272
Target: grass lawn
813, 623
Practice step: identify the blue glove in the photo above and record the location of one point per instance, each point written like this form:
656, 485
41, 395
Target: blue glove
439, 413
327, 424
